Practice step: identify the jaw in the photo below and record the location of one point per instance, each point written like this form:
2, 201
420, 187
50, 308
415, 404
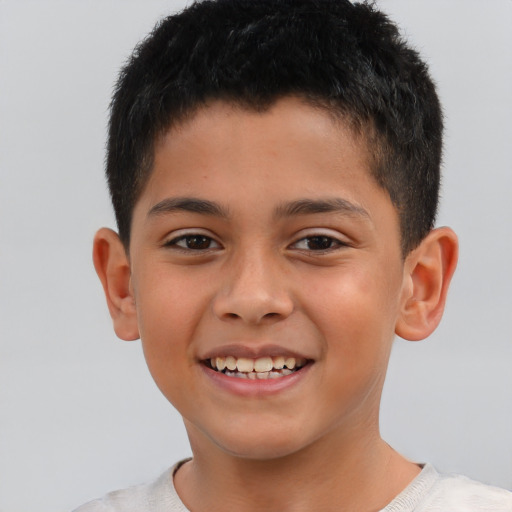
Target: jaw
269, 420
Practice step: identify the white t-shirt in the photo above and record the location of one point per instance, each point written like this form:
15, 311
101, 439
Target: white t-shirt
430, 491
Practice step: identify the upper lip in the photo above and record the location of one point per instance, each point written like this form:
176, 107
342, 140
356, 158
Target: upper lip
252, 352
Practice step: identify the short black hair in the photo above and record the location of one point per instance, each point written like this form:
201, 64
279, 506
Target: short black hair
347, 58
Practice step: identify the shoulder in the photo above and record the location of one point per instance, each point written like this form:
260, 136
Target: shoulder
459, 493
431, 491
156, 496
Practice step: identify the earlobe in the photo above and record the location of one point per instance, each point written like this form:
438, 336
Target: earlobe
113, 269
428, 271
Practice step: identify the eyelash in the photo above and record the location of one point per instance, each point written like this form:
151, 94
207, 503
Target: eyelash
331, 242
188, 239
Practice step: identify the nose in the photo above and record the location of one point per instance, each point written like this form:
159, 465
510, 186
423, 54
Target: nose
255, 291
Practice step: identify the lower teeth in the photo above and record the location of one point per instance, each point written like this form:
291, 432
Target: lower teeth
275, 374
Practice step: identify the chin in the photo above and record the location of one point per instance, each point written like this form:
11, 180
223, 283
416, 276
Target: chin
255, 435
261, 452
262, 444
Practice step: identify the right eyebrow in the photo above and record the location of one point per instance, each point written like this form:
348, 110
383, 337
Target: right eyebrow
188, 204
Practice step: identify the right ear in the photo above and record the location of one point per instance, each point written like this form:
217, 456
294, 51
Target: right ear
113, 268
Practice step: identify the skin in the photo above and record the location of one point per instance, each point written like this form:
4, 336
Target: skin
270, 274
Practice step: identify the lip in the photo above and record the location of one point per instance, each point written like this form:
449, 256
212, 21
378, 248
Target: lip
251, 352
255, 388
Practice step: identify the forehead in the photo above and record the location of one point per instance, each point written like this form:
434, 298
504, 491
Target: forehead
287, 114
226, 151
223, 127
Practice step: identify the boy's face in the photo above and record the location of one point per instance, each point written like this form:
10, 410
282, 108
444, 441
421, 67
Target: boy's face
262, 235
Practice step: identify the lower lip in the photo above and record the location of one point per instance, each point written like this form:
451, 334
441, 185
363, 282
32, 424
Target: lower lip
256, 387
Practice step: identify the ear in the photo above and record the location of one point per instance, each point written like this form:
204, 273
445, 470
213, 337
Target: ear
113, 268
428, 270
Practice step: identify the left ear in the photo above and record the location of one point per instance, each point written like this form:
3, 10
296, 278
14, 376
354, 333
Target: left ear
428, 270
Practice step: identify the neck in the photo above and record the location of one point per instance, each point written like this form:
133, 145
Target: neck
325, 476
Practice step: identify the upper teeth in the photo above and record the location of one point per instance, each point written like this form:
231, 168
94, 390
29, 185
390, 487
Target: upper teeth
262, 364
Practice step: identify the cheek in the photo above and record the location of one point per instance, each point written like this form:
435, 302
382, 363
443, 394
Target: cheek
168, 313
357, 328
355, 313
166, 320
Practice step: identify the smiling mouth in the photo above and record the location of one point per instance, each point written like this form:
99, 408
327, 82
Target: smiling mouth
260, 368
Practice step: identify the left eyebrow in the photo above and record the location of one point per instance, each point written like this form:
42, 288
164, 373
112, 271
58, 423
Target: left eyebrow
188, 204
328, 205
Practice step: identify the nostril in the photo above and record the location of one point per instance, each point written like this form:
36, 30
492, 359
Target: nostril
234, 316
251, 306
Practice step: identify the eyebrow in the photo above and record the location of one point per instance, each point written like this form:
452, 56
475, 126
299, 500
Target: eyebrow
290, 209
188, 204
327, 205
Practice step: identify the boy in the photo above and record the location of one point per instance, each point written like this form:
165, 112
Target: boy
274, 168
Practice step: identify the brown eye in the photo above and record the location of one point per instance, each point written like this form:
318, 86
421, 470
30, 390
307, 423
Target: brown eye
319, 243
195, 242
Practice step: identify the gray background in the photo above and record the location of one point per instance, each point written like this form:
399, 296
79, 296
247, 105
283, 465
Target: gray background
79, 414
